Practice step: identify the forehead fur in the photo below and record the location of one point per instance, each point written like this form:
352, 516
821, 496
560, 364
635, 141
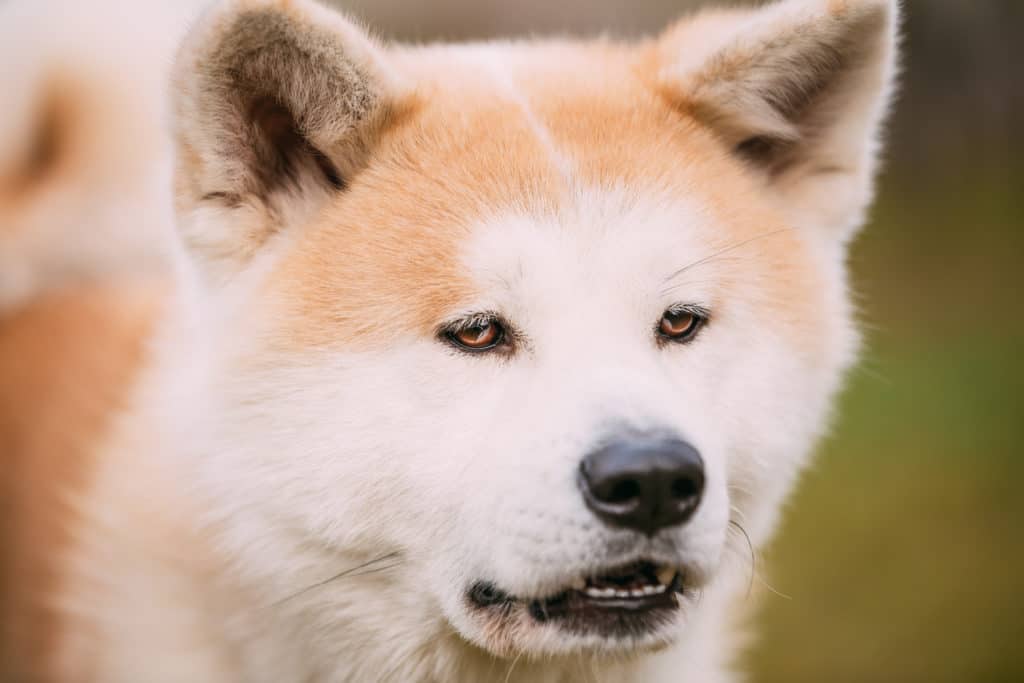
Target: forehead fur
526, 129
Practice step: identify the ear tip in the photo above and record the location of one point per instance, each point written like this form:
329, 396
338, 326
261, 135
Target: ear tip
257, 84
890, 10
885, 10
218, 33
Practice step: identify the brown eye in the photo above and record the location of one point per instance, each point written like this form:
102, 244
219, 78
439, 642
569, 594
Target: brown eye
680, 325
479, 337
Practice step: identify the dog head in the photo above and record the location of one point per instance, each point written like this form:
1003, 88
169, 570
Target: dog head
542, 324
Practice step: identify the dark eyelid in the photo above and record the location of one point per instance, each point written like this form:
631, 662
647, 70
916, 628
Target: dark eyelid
701, 312
469, 321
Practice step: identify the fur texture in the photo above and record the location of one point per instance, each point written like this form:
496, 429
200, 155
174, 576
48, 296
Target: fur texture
310, 478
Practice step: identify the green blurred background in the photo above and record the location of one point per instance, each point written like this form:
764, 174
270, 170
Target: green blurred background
901, 556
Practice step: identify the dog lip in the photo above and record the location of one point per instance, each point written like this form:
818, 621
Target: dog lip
637, 588
618, 595
486, 594
583, 610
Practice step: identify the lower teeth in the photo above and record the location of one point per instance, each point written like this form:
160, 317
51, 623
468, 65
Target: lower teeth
606, 593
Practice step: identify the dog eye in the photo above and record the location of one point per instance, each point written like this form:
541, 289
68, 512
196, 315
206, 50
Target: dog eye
680, 325
479, 337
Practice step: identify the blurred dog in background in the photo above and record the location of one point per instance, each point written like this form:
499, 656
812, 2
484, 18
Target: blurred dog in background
85, 243
480, 361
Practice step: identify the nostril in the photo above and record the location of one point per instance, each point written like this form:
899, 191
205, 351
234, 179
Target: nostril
684, 488
624, 491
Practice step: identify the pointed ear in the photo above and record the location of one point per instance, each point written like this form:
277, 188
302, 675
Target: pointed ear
276, 105
798, 91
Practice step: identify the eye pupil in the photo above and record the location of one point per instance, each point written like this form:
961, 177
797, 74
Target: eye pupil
478, 337
679, 325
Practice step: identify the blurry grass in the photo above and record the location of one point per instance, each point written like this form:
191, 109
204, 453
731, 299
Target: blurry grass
902, 551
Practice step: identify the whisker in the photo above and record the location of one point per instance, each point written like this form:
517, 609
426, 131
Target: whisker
376, 570
725, 250
739, 514
666, 291
754, 573
753, 556
348, 572
508, 676
773, 589
742, 491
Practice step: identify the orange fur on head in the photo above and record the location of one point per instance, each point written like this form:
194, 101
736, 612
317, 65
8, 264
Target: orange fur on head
337, 195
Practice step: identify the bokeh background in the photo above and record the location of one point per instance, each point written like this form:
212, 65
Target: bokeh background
902, 555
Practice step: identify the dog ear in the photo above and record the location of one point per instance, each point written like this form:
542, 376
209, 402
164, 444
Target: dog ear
276, 103
798, 91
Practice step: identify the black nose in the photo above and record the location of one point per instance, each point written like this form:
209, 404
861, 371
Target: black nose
643, 482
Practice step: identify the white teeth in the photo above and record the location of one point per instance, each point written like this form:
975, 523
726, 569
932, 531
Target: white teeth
666, 575
605, 593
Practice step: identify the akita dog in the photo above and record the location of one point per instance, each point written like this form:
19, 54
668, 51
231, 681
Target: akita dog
487, 362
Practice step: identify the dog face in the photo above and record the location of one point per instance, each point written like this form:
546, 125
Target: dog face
534, 329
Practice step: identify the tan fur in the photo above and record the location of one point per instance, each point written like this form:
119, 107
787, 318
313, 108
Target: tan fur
68, 362
82, 272
461, 145
108, 574
443, 164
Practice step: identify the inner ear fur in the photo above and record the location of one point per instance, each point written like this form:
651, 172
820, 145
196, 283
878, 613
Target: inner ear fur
777, 83
274, 99
797, 91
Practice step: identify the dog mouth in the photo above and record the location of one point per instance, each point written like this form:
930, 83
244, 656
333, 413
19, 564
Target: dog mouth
633, 600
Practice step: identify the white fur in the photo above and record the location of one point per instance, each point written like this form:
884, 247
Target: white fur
108, 81
290, 467
478, 479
